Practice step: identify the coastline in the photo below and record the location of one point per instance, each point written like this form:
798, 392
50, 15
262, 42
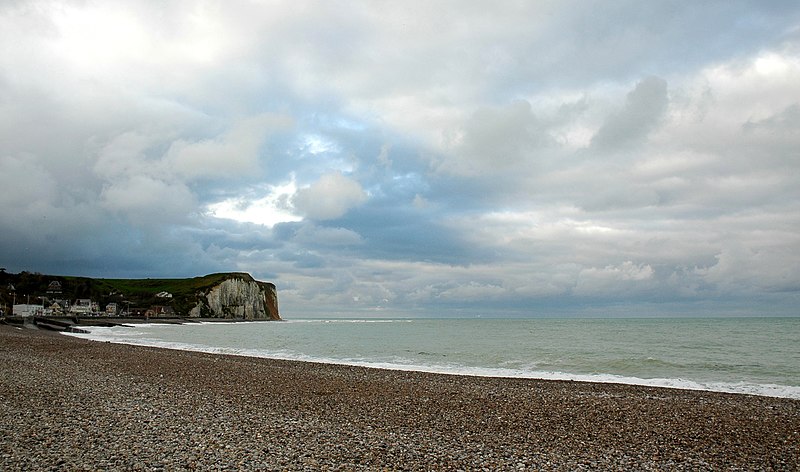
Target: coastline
70, 403
412, 345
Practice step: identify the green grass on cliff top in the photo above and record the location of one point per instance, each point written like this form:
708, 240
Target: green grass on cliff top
177, 287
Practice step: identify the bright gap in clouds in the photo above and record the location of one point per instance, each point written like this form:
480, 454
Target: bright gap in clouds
269, 210
98, 38
116, 40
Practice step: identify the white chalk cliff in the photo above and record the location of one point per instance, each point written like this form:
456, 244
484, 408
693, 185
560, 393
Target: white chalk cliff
238, 297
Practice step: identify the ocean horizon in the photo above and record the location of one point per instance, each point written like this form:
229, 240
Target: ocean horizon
753, 355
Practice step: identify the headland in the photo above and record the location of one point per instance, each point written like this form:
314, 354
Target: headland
231, 296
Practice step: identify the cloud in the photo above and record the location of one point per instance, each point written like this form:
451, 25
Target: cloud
32, 185
418, 157
229, 155
148, 201
644, 106
496, 140
330, 197
311, 235
609, 279
752, 269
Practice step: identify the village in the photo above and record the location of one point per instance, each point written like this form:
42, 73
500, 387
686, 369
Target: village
54, 303
36, 298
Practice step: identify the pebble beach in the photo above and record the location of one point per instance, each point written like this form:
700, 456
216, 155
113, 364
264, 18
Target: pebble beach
73, 404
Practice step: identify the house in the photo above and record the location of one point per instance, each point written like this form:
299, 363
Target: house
111, 309
54, 310
159, 311
54, 288
82, 306
26, 310
164, 295
136, 311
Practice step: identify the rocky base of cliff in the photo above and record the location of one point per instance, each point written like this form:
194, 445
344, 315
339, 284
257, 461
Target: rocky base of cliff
71, 404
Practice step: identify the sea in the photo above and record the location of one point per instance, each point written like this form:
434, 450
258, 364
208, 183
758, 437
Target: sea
759, 356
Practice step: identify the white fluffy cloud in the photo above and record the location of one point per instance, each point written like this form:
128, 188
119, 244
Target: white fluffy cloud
329, 197
230, 155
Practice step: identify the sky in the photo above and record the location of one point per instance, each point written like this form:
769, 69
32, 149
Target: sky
414, 158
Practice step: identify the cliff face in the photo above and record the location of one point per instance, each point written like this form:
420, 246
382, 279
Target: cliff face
239, 297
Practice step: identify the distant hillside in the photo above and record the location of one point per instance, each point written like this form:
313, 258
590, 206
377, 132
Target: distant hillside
223, 295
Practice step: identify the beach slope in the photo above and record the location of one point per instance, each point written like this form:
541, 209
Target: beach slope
68, 404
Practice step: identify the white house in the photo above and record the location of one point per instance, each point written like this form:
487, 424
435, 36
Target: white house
28, 310
82, 306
